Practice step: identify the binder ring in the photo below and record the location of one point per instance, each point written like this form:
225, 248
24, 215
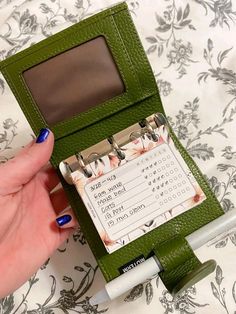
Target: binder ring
87, 172
66, 171
160, 119
116, 148
150, 130
92, 157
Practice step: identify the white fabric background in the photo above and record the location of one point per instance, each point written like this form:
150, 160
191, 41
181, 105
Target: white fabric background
191, 47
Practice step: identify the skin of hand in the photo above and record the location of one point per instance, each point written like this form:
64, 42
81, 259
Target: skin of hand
29, 227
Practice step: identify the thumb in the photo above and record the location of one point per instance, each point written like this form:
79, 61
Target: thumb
18, 171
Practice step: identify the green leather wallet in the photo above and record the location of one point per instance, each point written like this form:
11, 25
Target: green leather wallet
86, 83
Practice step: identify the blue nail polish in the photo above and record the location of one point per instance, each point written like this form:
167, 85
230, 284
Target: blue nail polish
43, 135
61, 221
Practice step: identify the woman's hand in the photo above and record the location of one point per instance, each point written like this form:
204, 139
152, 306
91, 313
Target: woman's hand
29, 210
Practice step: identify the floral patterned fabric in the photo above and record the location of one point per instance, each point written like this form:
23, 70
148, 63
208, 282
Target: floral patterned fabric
191, 47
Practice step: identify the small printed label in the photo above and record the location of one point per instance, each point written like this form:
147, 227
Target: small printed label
129, 198
135, 262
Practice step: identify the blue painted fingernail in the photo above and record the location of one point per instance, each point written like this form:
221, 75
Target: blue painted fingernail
43, 135
63, 220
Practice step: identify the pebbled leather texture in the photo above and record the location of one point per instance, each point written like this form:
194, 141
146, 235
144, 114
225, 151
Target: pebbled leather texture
178, 260
141, 99
200, 272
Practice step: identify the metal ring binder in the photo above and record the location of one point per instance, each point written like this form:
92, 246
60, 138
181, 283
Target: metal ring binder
160, 119
87, 172
93, 157
116, 148
113, 143
68, 168
145, 124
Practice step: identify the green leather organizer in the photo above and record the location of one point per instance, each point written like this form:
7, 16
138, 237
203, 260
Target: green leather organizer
135, 98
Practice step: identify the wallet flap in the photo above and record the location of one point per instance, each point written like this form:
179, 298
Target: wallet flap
93, 68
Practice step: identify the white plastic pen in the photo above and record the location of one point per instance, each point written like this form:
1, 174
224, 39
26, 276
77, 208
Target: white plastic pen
151, 266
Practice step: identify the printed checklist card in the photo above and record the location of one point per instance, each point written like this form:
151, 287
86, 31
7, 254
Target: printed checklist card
130, 197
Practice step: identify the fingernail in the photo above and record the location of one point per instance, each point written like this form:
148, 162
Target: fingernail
63, 220
43, 135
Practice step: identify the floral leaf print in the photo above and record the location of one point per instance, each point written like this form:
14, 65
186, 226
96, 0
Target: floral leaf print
3, 137
67, 279
185, 118
210, 45
227, 204
7, 304
213, 181
219, 275
218, 128
7, 136
151, 39
183, 303
186, 11
44, 266
189, 117
9, 123
221, 243
2, 53
231, 182
79, 4
219, 292
222, 10
79, 268
27, 22
201, 151
226, 76
135, 293
222, 55
215, 291
73, 298
232, 237
164, 87
149, 292
163, 26
224, 167
69, 17
79, 236
4, 2
2, 86
234, 291
32, 281
133, 6
53, 15
221, 189
228, 153
27, 27
172, 20
180, 56
45, 8
222, 192
215, 186
53, 289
